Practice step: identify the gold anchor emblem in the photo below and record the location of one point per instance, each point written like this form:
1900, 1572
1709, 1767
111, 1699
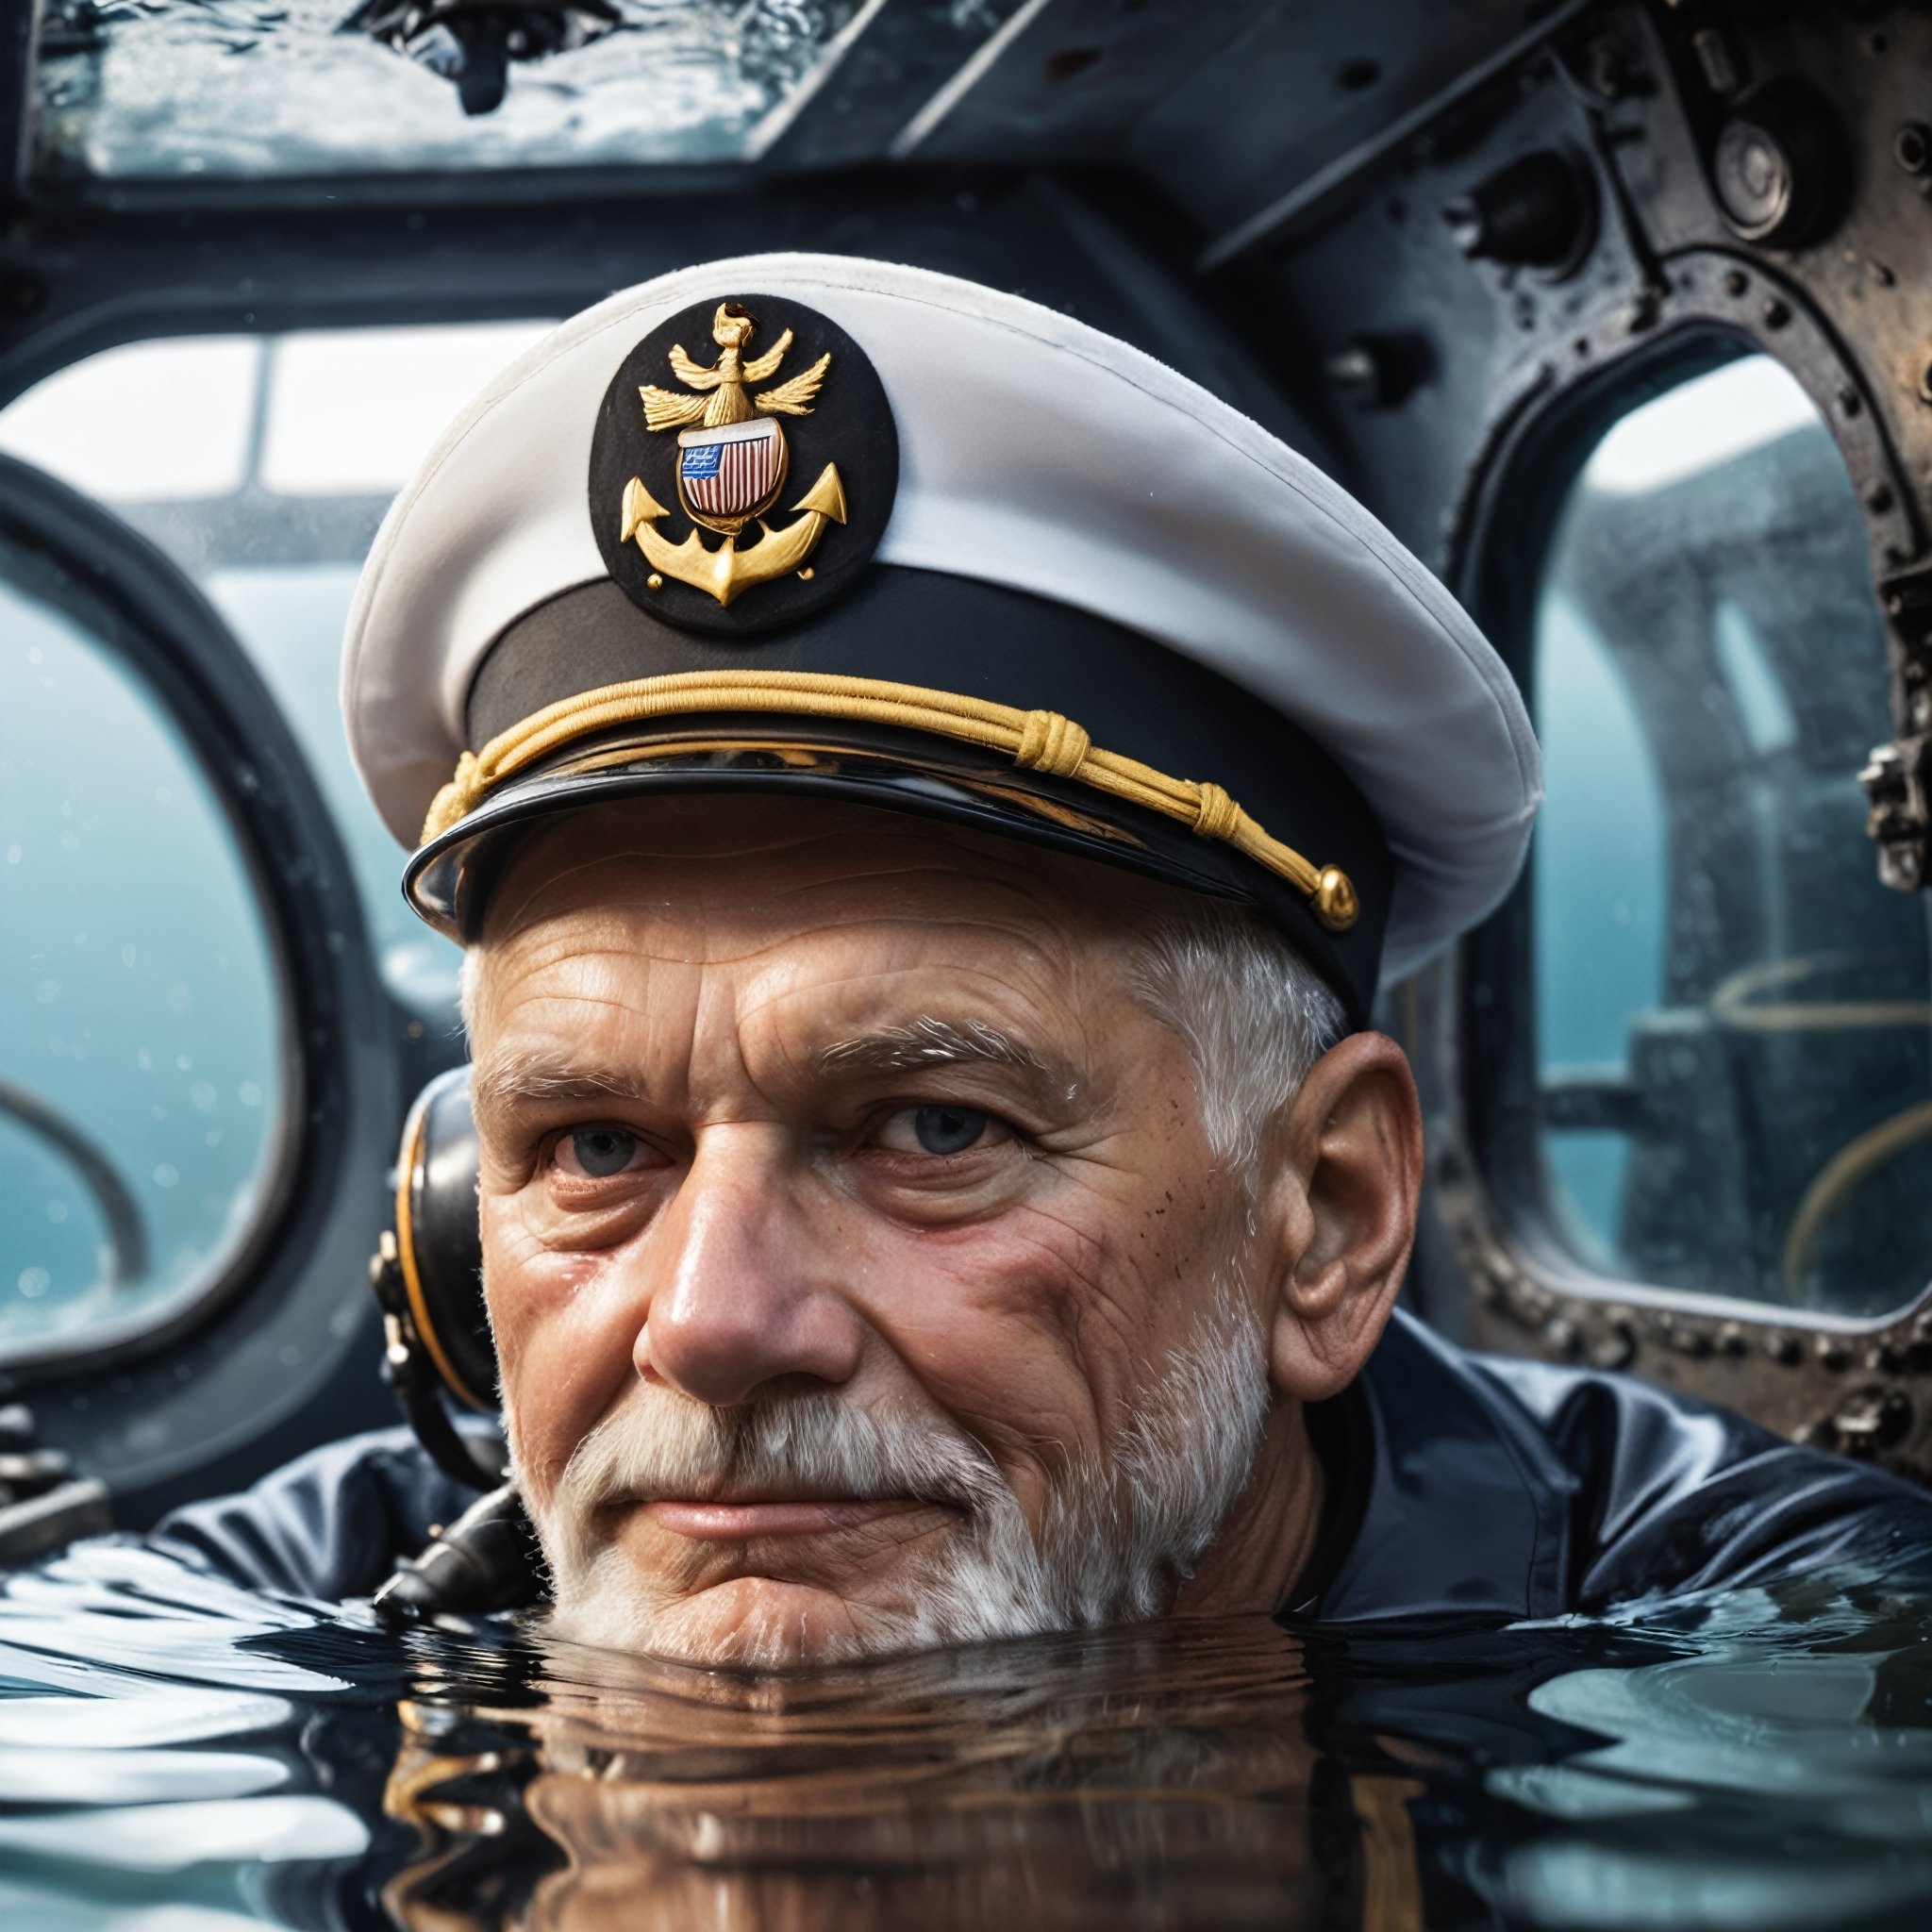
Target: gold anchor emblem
731, 465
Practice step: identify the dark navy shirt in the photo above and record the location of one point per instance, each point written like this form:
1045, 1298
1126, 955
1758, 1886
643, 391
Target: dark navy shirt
1461, 1485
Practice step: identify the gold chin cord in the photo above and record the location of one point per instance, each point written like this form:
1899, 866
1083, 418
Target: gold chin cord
1033, 741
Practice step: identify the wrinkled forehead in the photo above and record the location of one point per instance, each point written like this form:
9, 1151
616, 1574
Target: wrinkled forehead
726, 870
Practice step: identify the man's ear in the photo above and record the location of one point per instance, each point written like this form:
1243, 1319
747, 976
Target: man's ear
1337, 1211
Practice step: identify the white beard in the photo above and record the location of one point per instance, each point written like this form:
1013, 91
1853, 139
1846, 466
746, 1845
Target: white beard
1114, 1546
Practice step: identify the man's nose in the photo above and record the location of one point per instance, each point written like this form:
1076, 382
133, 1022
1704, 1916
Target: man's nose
735, 1302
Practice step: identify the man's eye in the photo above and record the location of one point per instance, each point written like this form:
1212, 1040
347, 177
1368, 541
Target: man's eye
596, 1153
935, 1129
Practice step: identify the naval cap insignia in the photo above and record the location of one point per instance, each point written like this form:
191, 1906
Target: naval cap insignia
740, 486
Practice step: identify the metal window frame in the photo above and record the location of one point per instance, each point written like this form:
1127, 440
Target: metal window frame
134, 611
140, 1401
1833, 1380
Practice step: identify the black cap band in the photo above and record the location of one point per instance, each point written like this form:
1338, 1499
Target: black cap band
982, 640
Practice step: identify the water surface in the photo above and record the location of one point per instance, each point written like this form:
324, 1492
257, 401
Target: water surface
178, 1756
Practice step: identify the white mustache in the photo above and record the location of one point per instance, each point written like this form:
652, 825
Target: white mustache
657, 1445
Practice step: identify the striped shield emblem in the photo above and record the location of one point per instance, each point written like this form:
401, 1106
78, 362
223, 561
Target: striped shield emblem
732, 471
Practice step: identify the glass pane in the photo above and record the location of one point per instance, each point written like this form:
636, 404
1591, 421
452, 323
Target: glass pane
179, 89
355, 410
263, 466
153, 421
1733, 1021
140, 1060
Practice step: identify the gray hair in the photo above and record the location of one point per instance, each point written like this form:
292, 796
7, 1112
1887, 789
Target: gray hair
1253, 1014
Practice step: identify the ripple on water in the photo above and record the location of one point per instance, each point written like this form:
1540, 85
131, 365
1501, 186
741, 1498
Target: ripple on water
180, 1755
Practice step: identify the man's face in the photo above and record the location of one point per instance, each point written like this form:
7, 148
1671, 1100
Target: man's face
860, 1275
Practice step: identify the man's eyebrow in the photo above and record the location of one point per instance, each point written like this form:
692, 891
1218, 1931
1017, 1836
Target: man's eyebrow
930, 1042
511, 1076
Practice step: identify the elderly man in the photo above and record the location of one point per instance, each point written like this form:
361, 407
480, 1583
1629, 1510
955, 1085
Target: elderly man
927, 795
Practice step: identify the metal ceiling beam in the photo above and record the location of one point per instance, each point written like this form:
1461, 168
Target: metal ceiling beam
1279, 218
895, 52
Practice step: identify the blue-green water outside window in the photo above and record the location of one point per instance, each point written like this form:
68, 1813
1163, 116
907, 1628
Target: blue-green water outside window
1732, 1015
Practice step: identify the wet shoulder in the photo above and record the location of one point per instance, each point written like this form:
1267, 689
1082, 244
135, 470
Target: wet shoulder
1531, 1489
329, 1526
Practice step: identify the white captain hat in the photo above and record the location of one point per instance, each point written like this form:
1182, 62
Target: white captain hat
808, 523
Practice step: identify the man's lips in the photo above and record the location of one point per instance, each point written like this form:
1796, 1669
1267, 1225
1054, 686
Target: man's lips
736, 1521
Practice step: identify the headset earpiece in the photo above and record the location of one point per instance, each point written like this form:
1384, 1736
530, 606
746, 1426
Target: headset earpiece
428, 1278
439, 1241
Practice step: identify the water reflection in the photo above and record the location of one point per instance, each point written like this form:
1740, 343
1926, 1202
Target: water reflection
173, 1751
1129, 1779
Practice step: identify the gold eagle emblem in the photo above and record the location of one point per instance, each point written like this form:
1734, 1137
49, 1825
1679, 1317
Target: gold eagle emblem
732, 461
720, 396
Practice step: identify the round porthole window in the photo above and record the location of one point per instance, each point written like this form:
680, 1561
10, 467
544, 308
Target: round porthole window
1733, 1018
145, 1084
